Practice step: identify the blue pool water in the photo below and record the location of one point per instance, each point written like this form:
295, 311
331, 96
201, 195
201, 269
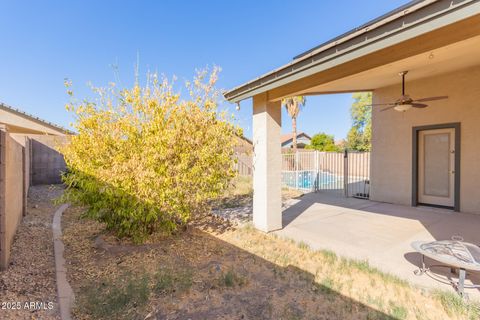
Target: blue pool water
308, 179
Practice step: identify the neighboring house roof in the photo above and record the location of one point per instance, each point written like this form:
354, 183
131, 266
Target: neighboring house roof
289, 137
246, 140
407, 22
244, 145
32, 122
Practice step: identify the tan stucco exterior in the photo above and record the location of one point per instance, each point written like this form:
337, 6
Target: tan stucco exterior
391, 162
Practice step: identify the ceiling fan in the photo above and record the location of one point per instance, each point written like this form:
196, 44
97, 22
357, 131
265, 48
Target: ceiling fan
404, 103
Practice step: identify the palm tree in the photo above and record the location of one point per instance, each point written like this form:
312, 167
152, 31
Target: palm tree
293, 106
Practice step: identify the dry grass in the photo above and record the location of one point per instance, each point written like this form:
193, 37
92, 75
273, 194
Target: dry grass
234, 274
213, 271
239, 193
354, 279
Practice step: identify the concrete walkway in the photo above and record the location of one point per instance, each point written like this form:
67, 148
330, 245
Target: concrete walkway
378, 232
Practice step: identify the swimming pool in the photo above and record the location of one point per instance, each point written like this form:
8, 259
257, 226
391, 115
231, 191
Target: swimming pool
311, 180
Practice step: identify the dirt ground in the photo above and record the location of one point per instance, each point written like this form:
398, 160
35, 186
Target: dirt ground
226, 273
31, 274
212, 270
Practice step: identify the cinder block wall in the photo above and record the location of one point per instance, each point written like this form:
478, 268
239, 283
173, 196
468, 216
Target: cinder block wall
46, 162
12, 192
26, 144
24, 160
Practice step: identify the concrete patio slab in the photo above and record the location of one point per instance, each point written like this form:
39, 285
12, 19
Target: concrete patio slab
378, 232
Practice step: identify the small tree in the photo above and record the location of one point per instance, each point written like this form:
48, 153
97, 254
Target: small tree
293, 105
144, 159
322, 142
359, 136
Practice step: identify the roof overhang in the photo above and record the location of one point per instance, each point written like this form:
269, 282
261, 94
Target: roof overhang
419, 27
29, 123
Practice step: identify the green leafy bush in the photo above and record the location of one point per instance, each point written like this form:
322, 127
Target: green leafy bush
323, 142
145, 158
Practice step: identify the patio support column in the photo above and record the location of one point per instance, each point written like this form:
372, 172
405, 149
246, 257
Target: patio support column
267, 161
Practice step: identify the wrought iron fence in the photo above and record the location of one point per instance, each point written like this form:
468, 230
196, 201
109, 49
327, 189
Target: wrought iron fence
347, 172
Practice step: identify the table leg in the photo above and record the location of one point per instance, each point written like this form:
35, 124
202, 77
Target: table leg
461, 281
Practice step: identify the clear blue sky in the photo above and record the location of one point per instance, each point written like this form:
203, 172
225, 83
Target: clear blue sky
43, 42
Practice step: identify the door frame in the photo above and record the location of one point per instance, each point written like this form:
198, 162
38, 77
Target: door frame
415, 130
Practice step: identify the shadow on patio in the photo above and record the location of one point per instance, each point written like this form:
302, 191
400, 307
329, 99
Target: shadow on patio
378, 232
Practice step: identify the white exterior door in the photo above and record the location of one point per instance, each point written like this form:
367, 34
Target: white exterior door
436, 167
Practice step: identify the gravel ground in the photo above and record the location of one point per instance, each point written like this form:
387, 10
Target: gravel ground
30, 277
239, 209
244, 213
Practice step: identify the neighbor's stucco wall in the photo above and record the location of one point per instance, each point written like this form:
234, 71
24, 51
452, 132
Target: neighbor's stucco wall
12, 193
391, 161
19, 124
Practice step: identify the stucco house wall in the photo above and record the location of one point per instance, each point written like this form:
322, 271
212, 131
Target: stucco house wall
391, 160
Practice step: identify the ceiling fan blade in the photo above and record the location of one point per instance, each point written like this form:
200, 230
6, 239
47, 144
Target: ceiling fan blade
419, 105
379, 104
388, 108
431, 99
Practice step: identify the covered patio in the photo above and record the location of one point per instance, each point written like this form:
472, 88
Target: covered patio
380, 233
438, 43
422, 158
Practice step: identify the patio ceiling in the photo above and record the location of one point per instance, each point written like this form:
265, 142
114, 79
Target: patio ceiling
454, 47
442, 60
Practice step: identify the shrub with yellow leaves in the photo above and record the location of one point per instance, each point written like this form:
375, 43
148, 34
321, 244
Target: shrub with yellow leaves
146, 159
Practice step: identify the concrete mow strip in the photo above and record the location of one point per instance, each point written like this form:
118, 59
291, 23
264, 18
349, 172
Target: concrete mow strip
65, 293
